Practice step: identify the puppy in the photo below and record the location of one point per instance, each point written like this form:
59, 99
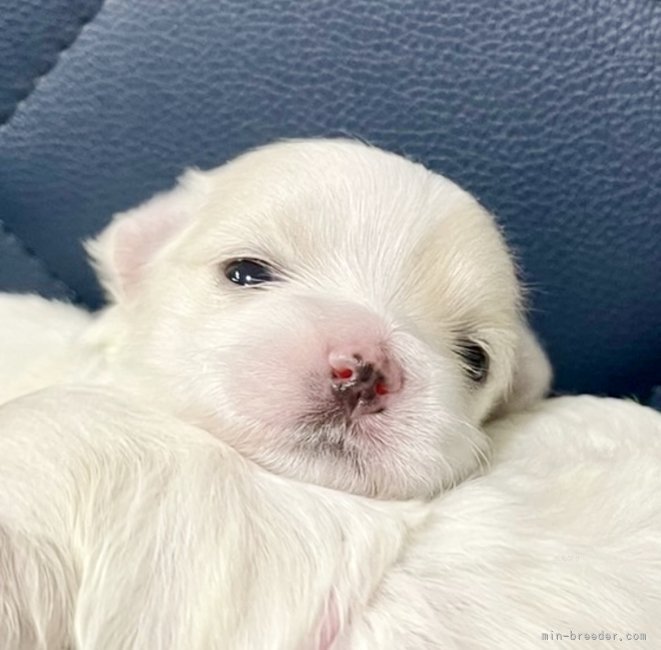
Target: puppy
336, 313
339, 316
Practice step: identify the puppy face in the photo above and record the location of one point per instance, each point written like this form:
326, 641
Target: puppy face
336, 313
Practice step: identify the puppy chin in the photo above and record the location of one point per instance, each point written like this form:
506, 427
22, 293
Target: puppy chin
360, 458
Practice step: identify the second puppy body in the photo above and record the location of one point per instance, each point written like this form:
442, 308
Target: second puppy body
334, 312
125, 529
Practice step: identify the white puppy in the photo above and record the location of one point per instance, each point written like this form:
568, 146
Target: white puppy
334, 312
346, 318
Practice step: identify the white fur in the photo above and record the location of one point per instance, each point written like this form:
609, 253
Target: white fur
562, 536
125, 528
375, 252
124, 524
39, 343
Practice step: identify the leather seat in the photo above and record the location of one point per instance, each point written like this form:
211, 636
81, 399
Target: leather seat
549, 112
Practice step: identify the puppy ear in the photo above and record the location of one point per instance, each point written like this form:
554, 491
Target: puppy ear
532, 374
124, 250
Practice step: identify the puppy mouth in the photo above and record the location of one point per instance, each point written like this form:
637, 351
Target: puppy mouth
353, 404
356, 401
339, 430
348, 415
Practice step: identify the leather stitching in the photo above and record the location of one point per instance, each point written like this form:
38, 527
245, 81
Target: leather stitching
84, 21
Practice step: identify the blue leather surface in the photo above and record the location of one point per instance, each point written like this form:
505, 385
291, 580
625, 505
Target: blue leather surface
22, 271
549, 112
32, 36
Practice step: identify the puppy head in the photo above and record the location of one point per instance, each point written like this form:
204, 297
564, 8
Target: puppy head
337, 313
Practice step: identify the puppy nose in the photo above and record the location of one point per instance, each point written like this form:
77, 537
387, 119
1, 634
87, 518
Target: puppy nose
362, 381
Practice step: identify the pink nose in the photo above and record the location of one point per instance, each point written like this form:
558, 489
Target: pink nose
363, 380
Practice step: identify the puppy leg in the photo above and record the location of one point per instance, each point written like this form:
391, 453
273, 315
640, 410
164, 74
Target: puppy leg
36, 337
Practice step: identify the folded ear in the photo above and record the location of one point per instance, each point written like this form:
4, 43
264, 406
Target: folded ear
124, 250
532, 374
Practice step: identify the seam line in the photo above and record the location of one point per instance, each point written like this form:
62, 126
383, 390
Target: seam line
84, 21
31, 255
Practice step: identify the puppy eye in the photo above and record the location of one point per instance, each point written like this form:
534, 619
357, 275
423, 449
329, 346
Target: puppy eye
249, 272
475, 358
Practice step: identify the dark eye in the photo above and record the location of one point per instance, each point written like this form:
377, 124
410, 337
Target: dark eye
248, 272
475, 358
